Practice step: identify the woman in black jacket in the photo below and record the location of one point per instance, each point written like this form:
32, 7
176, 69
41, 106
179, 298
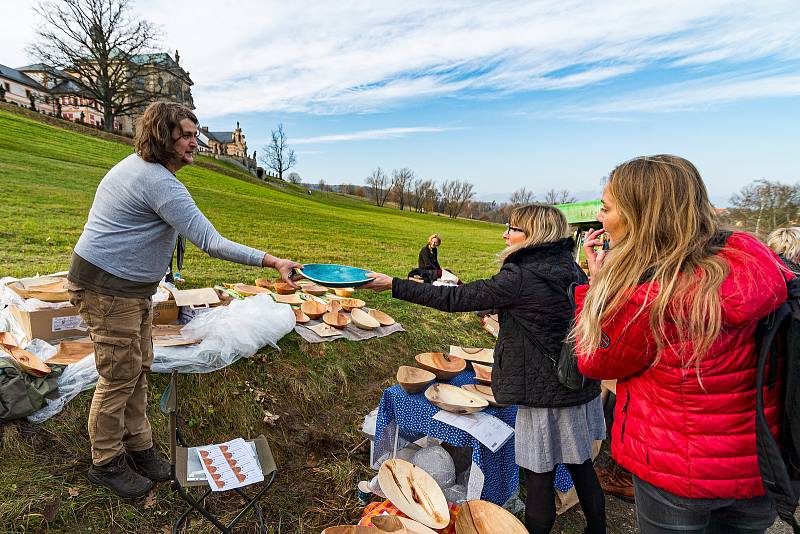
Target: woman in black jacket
428, 262
554, 424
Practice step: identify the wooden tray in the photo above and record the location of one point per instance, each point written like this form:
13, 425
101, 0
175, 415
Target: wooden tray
414, 492
314, 289
482, 517
413, 379
454, 399
248, 290
442, 365
324, 330
292, 299
470, 354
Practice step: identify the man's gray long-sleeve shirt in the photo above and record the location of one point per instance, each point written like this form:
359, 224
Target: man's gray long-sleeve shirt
139, 209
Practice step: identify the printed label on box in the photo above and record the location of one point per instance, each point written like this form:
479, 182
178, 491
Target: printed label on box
70, 322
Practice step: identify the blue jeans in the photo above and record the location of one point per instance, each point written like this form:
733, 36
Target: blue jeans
659, 511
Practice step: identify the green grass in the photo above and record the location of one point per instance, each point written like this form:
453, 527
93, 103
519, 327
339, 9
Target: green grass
321, 392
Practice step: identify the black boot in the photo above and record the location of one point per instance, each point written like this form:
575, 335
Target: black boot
149, 464
118, 476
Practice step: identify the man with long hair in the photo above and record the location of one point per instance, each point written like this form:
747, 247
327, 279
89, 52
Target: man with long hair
124, 251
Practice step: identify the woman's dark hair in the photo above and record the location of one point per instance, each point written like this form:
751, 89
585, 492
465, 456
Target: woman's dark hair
153, 141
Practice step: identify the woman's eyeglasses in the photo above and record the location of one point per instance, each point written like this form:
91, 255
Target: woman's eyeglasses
510, 228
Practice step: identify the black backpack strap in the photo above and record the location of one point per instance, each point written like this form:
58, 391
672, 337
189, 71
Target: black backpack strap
777, 482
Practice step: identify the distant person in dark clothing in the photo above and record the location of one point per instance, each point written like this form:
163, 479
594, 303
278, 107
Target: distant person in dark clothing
428, 267
786, 244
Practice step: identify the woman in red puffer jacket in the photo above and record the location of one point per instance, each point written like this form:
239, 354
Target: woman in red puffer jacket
671, 313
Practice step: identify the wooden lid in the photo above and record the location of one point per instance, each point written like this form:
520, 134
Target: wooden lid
363, 320
383, 318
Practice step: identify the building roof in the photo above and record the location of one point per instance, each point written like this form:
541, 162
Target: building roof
19, 77
221, 137
164, 61
41, 67
580, 212
70, 86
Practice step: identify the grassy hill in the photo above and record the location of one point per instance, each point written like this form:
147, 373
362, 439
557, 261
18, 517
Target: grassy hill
48, 177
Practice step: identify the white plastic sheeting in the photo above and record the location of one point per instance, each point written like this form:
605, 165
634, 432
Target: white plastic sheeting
227, 333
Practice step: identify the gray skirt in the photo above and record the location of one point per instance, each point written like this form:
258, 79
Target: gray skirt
545, 437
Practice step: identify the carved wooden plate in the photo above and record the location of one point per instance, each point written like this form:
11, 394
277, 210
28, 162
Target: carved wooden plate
414, 492
483, 391
336, 320
248, 291
28, 362
384, 318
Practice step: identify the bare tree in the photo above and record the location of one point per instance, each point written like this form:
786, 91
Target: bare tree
105, 49
558, 197
455, 194
294, 178
424, 195
521, 196
279, 157
401, 183
381, 187
763, 206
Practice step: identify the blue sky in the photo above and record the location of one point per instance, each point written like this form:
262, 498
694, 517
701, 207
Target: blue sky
546, 94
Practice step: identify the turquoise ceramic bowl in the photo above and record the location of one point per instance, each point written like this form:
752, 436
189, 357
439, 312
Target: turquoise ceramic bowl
332, 275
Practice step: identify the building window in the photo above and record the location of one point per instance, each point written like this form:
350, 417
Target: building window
28, 93
8, 87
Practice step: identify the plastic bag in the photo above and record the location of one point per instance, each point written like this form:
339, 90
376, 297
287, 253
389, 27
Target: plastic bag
455, 493
228, 333
438, 463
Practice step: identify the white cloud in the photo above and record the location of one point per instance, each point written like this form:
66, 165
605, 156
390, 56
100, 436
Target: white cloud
343, 57
366, 135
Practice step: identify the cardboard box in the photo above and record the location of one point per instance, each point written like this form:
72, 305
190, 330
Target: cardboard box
165, 312
50, 324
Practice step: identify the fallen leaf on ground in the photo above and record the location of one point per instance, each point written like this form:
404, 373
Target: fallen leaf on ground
73, 492
150, 500
270, 418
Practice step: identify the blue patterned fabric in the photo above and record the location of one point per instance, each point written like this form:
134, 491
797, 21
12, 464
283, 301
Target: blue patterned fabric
413, 415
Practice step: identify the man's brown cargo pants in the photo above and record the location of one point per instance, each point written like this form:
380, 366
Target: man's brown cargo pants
121, 331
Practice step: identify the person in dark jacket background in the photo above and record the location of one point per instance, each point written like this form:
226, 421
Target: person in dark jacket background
428, 267
554, 424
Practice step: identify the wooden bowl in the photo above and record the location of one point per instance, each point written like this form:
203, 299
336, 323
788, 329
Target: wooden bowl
389, 524
334, 306
482, 517
314, 309
351, 304
265, 282
443, 366
248, 291
454, 399
344, 291
484, 392
282, 288
414, 492
383, 318
413, 379
314, 289
483, 373
349, 529
363, 320
485, 356
299, 316
336, 320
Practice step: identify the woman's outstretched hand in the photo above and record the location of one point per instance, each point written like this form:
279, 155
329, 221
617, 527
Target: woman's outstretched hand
380, 282
594, 258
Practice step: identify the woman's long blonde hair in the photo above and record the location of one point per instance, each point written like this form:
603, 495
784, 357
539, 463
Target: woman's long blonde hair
786, 241
541, 224
669, 224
